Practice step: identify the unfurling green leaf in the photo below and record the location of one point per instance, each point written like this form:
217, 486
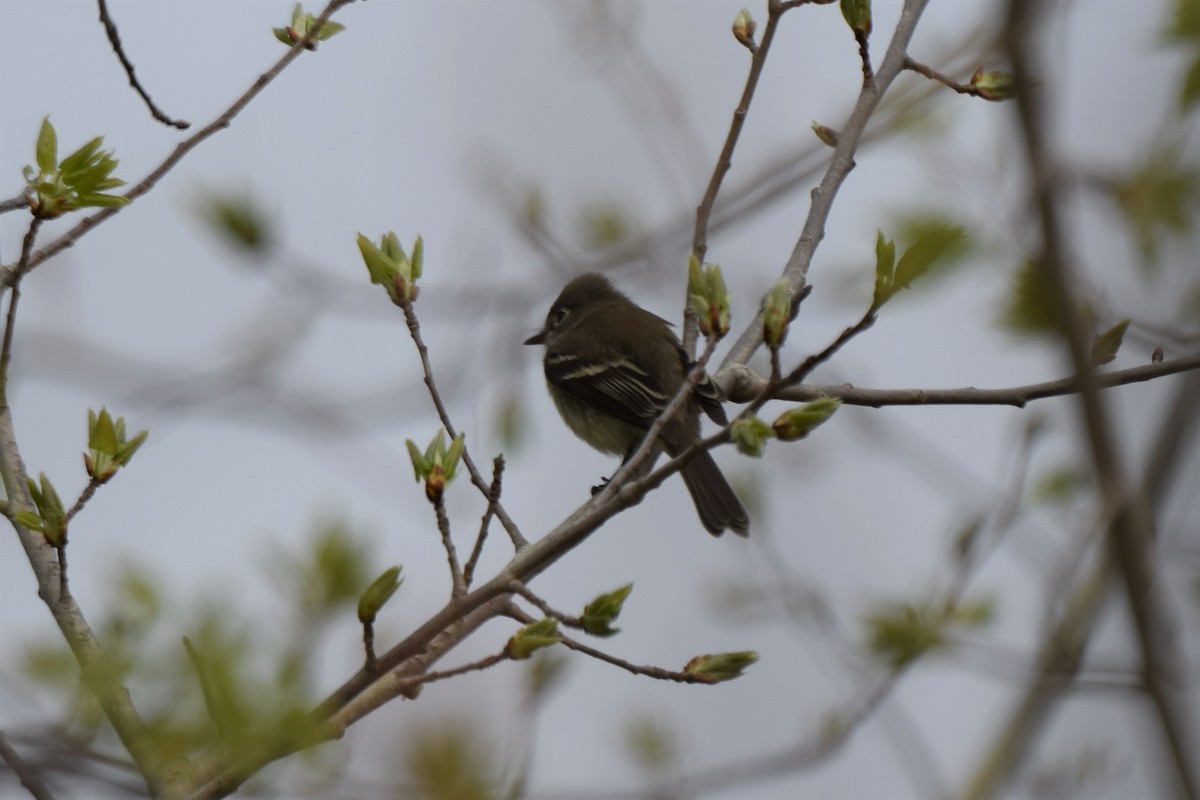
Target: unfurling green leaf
932, 245
532, 637
885, 269
378, 593
239, 219
300, 25
1030, 308
708, 297
720, 666
1106, 345
799, 422
47, 147
51, 515
1159, 199
779, 309
108, 448
858, 15
80, 181
599, 614
900, 634
391, 268
438, 465
993, 85
750, 435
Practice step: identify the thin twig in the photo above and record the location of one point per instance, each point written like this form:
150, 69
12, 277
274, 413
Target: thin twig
114, 38
566, 619
864, 54
409, 684
457, 581
1131, 532
775, 11
658, 673
88, 492
10, 322
14, 203
26, 774
414, 329
369, 659
850, 135
746, 386
921, 69
224, 120
632, 465
485, 522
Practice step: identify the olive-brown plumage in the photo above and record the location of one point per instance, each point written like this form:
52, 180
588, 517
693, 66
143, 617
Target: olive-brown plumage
612, 367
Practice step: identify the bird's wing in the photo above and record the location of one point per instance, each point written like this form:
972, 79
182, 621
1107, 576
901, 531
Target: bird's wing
618, 387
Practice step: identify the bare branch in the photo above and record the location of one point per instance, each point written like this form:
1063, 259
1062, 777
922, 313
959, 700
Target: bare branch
224, 120
485, 523
849, 138
25, 773
745, 385
414, 329
114, 38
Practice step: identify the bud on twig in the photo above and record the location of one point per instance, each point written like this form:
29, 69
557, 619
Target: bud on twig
743, 30
720, 666
993, 85
708, 297
535, 636
799, 422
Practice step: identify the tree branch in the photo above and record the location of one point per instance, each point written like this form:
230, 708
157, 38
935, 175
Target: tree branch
114, 38
745, 385
224, 120
849, 137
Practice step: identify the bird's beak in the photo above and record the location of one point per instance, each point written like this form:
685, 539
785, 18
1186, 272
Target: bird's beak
537, 338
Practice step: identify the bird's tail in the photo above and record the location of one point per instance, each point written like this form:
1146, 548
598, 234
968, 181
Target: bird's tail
717, 505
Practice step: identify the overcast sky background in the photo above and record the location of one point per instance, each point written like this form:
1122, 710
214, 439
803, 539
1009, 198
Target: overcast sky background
419, 118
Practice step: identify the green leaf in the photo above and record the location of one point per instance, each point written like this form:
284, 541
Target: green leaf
778, 310
100, 201
418, 257
28, 519
932, 246
719, 667
1159, 199
1030, 309
532, 637
103, 435
599, 614
381, 268
900, 634
378, 593
80, 159
708, 297
799, 422
857, 14
421, 467
328, 29
1106, 345
47, 148
750, 435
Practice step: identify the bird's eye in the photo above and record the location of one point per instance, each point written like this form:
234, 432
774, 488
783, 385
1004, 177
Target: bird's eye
558, 315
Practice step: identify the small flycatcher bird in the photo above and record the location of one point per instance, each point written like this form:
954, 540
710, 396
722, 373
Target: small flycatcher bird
612, 367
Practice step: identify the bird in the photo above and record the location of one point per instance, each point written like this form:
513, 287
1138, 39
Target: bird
612, 368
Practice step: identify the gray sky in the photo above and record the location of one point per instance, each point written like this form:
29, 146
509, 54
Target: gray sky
427, 118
